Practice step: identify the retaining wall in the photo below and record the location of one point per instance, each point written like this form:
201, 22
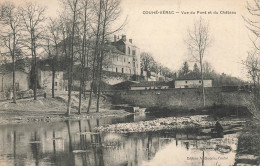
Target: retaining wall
189, 98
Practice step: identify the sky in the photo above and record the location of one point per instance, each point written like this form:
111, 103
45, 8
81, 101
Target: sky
163, 35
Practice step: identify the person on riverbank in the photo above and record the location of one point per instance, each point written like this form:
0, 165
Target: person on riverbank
219, 129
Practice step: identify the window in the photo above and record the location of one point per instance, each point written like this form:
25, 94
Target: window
186, 82
124, 59
133, 52
56, 84
130, 71
122, 70
129, 51
117, 58
199, 81
116, 69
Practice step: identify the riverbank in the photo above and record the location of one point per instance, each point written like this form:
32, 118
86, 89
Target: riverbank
52, 109
203, 123
248, 149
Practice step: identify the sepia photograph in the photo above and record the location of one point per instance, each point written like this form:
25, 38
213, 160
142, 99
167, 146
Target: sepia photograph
129, 83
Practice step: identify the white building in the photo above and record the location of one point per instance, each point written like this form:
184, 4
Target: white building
192, 83
125, 57
148, 85
45, 79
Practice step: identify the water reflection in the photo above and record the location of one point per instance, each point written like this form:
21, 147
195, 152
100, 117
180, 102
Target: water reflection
76, 143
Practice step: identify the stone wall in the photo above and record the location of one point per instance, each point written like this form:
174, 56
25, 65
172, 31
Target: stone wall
189, 98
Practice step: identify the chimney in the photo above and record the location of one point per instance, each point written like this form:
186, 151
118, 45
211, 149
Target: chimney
124, 37
114, 38
130, 40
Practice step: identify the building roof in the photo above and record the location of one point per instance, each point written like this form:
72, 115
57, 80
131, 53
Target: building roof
150, 83
20, 65
124, 85
113, 49
123, 41
17, 70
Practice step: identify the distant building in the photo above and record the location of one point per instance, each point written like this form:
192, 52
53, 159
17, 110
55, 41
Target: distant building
45, 78
126, 85
21, 81
186, 83
125, 57
147, 85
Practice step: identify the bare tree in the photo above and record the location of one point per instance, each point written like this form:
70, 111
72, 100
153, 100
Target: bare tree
33, 18
84, 52
110, 11
72, 7
252, 61
10, 22
252, 65
52, 39
146, 62
96, 52
207, 67
198, 41
253, 8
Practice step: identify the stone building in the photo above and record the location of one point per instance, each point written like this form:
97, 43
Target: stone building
21, 81
45, 78
125, 57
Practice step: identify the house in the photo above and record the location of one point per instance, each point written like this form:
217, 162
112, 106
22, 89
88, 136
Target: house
45, 78
124, 56
147, 85
192, 83
21, 81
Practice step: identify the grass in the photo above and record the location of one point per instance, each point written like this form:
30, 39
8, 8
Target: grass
52, 109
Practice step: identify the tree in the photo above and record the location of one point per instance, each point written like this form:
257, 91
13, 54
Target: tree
252, 65
84, 51
72, 7
96, 52
196, 68
10, 22
207, 68
111, 12
52, 39
198, 41
33, 18
185, 69
146, 61
108, 11
253, 8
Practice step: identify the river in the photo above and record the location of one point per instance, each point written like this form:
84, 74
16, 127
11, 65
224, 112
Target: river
76, 143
